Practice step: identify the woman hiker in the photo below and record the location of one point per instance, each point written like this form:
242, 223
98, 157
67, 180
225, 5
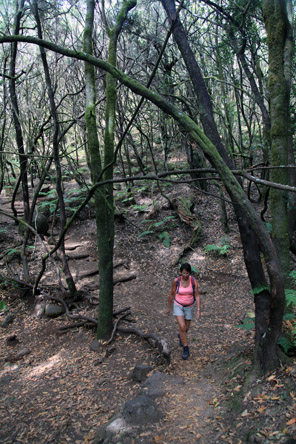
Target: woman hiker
184, 293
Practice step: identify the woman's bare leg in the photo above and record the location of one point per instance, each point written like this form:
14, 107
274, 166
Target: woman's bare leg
183, 325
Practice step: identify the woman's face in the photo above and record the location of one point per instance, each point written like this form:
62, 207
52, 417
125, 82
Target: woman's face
185, 275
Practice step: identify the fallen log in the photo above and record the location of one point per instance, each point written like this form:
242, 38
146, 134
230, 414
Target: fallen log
123, 277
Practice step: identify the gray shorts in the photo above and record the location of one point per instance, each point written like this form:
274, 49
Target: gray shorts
187, 312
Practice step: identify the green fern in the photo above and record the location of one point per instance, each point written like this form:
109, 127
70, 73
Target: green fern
286, 343
247, 324
290, 297
222, 250
259, 289
165, 237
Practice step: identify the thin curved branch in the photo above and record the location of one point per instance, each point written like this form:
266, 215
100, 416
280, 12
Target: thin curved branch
20, 221
75, 316
160, 343
116, 326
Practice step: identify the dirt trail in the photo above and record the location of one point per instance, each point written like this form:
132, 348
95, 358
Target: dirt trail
62, 392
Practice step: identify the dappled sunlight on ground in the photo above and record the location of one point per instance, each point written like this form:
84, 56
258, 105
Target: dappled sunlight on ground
39, 370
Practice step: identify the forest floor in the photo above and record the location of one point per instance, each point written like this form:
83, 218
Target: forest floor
62, 392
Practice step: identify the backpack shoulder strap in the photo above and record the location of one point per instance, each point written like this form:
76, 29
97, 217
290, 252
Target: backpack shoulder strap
178, 284
193, 285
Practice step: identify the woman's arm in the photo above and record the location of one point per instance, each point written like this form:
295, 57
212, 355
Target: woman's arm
171, 296
197, 297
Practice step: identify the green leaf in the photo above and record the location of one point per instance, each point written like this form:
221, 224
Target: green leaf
211, 247
146, 221
285, 343
3, 306
290, 297
12, 251
194, 269
246, 326
165, 237
140, 208
258, 289
251, 315
158, 224
293, 274
288, 317
224, 250
145, 233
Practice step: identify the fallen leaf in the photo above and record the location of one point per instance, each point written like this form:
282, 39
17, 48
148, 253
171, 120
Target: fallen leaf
271, 378
261, 409
292, 421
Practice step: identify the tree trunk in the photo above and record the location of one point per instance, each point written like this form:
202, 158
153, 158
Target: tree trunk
55, 142
277, 27
105, 229
15, 112
105, 266
104, 196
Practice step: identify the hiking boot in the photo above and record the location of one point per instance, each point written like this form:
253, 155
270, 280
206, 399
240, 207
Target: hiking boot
185, 352
180, 342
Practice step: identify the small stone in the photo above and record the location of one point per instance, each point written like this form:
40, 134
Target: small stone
53, 310
140, 372
94, 345
116, 426
142, 410
8, 320
40, 223
11, 341
39, 310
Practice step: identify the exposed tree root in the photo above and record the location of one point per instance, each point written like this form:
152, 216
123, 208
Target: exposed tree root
152, 338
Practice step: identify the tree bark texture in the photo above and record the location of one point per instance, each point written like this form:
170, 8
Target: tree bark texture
105, 256
15, 111
104, 207
277, 27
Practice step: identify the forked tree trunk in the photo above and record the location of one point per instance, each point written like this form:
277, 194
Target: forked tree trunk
104, 208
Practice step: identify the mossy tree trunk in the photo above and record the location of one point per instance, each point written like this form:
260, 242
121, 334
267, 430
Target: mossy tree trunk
277, 27
105, 267
19, 5
104, 208
288, 60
